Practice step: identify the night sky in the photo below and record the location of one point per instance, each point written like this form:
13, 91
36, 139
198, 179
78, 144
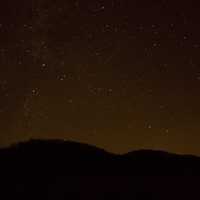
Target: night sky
119, 74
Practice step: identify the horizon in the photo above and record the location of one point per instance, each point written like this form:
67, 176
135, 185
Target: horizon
54, 141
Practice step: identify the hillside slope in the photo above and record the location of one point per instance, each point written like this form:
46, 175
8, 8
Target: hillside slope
67, 170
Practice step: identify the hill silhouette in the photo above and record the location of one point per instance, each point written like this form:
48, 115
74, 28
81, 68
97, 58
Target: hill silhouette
55, 169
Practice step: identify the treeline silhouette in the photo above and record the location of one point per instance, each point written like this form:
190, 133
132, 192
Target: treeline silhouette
56, 169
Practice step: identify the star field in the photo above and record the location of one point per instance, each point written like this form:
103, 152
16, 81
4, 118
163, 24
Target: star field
122, 75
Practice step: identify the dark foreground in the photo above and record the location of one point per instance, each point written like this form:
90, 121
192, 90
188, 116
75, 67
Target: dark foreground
67, 170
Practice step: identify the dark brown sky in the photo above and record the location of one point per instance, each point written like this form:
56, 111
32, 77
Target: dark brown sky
120, 74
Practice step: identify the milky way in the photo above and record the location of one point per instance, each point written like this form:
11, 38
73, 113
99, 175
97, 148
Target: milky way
122, 75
